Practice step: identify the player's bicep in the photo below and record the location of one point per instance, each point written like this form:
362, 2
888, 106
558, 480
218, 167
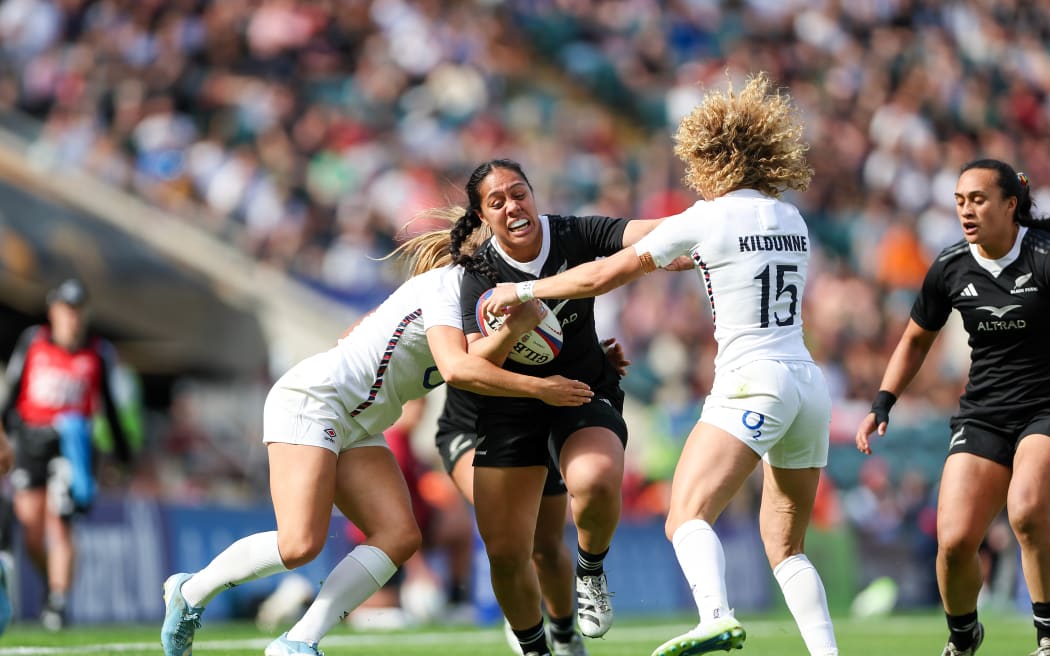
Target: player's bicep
447, 345
638, 228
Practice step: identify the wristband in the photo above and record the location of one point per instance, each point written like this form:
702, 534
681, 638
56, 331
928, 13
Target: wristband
881, 406
524, 290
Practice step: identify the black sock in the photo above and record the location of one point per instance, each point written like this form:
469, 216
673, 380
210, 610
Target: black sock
458, 593
588, 564
1041, 619
533, 640
962, 628
562, 628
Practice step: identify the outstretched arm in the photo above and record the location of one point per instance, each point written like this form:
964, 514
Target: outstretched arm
582, 281
905, 362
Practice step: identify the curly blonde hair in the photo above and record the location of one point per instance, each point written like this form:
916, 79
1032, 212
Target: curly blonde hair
430, 249
750, 140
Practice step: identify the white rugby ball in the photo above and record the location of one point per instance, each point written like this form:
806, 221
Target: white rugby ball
538, 346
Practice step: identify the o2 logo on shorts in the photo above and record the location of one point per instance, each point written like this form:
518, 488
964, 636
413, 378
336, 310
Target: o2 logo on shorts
753, 421
432, 378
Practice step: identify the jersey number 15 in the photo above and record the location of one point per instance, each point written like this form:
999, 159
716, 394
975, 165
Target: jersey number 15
783, 289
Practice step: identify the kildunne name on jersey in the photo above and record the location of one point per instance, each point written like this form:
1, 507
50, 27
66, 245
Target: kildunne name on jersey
752, 243
994, 326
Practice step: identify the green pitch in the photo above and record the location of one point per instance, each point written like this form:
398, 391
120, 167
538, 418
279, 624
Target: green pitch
918, 635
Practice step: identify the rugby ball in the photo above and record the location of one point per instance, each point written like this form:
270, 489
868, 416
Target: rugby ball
538, 346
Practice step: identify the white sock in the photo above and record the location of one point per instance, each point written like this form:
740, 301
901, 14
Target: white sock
356, 578
247, 559
703, 562
804, 593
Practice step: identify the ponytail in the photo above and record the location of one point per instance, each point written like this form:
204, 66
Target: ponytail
434, 248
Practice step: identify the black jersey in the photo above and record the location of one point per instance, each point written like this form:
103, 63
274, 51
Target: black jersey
1008, 320
569, 241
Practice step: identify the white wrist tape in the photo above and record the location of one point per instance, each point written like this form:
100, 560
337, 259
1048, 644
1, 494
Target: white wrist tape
524, 290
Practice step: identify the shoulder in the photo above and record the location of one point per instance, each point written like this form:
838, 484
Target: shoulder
952, 253
29, 336
558, 222
487, 252
39, 331
102, 346
1037, 240
439, 280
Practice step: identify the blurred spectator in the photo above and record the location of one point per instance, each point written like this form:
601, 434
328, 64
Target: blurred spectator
58, 378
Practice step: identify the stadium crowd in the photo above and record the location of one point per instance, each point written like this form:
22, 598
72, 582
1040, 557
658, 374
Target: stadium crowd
309, 132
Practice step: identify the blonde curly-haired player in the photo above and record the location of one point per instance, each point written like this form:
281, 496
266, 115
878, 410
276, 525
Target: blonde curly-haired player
769, 401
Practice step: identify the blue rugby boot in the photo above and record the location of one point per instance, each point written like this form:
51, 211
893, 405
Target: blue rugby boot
181, 620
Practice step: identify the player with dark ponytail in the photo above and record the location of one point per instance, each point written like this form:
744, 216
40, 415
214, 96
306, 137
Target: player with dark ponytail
998, 278
516, 440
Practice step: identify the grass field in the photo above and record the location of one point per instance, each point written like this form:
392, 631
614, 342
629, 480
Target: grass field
913, 635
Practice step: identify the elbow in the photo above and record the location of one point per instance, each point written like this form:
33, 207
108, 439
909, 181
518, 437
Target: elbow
457, 376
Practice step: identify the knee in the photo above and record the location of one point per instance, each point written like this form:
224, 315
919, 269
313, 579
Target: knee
406, 542
299, 549
398, 541
1030, 520
598, 482
507, 556
957, 546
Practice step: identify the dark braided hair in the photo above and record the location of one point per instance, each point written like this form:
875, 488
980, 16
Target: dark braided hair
1012, 183
471, 219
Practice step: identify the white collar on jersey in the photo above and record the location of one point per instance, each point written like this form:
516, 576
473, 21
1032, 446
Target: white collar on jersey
746, 193
995, 267
533, 266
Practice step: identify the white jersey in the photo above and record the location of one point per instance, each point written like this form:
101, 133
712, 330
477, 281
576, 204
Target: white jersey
364, 380
752, 254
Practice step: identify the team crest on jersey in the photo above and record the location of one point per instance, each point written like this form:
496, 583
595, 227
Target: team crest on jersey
1020, 282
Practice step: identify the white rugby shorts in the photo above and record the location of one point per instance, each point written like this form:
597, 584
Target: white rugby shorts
303, 407
782, 410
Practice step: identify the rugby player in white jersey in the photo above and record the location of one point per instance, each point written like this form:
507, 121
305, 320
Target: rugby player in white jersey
323, 424
769, 401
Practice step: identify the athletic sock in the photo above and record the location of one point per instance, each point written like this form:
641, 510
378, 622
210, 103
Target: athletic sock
703, 562
804, 593
56, 601
247, 559
458, 593
533, 640
357, 577
962, 629
589, 564
563, 628
1041, 619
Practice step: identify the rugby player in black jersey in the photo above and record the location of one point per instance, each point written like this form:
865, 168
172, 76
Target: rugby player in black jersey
456, 440
998, 278
512, 451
